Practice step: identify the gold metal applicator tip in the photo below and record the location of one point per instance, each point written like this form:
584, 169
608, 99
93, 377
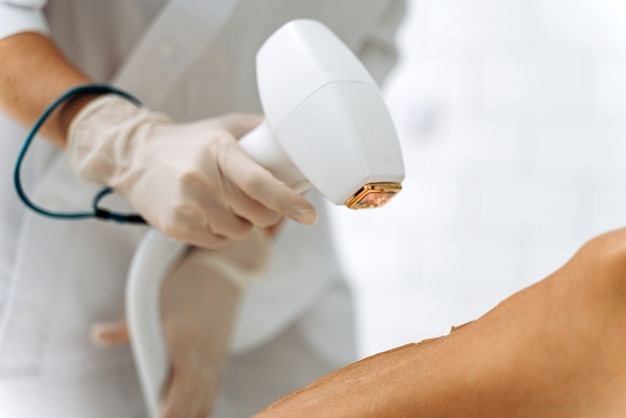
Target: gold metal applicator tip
373, 195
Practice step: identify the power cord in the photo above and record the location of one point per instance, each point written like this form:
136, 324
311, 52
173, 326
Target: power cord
97, 212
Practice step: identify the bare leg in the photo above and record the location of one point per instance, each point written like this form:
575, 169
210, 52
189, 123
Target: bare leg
555, 349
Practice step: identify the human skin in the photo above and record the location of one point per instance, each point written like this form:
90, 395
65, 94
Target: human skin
555, 349
33, 74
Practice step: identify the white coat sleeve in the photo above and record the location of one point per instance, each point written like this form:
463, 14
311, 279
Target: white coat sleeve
379, 52
22, 16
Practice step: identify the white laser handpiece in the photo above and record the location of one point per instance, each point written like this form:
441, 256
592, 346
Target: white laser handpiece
326, 126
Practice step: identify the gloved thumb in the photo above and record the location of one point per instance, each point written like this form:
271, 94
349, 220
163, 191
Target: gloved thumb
109, 334
239, 124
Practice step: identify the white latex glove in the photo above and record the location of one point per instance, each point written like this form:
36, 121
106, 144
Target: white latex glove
198, 308
192, 181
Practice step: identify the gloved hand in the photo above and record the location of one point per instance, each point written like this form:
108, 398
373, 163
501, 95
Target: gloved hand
192, 181
198, 308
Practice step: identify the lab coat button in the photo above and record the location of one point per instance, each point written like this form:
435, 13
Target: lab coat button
168, 50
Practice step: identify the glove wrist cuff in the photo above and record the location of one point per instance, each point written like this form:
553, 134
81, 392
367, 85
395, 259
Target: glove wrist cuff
100, 140
226, 269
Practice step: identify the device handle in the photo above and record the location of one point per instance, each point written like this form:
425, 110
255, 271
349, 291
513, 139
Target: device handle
261, 145
154, 259
157, 256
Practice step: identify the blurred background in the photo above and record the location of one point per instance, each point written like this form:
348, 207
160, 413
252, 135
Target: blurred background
512, 118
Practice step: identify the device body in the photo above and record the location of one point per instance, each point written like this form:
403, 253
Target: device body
326, 126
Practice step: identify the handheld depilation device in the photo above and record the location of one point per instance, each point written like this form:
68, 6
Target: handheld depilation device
326, 126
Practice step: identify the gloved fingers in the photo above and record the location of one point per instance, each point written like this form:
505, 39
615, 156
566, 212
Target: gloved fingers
272, 231
226, 209
109, 334
203, 238
229, 211
239, 124
190, 392
249, 256
202, 211
260, 185
205, 222
250, 209
196, 232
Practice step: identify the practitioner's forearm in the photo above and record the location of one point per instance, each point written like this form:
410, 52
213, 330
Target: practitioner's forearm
33, 73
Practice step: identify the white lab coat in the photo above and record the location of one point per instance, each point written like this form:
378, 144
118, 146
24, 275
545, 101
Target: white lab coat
58, 277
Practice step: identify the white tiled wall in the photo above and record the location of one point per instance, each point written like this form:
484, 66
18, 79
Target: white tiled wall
512, 116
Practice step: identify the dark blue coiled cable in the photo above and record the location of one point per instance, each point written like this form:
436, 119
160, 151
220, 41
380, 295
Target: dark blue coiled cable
97, 212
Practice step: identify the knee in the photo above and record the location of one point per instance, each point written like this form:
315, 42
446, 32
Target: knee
603, 258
